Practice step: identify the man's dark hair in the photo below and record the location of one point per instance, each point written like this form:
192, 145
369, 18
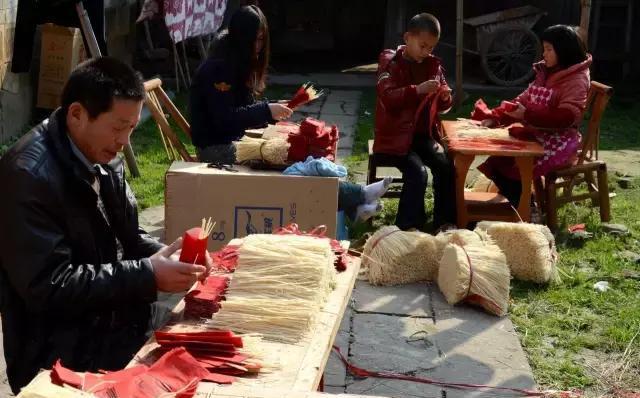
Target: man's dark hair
97, 82
567, 44
424, 22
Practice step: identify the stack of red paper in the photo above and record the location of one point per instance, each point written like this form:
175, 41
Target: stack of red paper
176, 372
225, 259
481, 111
204, 300
313, 139
215, 350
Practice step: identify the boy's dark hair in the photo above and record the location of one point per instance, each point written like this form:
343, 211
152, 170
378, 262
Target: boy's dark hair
567, 43
97, 82
424, 22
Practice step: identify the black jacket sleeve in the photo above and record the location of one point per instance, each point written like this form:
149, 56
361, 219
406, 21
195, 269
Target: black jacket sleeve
38, 260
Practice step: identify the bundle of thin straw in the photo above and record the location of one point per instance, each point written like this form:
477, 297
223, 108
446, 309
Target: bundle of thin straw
476, 273
530, 249
396, 257
279, 285
274, 150
461, 237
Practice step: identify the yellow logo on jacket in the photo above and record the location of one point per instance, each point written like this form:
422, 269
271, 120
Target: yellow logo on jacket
222, 86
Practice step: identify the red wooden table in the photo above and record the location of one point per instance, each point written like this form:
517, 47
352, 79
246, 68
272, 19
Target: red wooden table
479, 206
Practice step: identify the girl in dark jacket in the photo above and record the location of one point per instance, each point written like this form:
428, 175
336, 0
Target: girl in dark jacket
223, 103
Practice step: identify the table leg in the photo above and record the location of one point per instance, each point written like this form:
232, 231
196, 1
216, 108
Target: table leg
462, 163
525, 165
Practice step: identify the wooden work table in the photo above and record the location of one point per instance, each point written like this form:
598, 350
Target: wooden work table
299, 366
478, 206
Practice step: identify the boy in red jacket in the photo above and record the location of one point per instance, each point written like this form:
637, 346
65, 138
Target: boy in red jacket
409, 80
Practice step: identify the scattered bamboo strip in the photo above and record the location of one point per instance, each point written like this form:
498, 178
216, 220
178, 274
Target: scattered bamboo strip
467, 128
396, 257
530, 249
278, 287
476, 273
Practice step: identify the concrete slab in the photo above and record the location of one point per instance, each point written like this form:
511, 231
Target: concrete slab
393, 388
346, 142
346, 124
341, 107
477, 348
393, 343
324, 80
412, 299
152, 221
345, 95
335, 372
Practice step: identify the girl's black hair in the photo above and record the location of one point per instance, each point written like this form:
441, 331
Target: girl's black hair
237, 45
567, 43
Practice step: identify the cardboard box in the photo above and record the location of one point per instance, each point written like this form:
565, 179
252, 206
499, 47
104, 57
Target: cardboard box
246, 201
62, 49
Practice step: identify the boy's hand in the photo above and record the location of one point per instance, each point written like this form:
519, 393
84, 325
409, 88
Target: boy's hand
428, 87
446, 95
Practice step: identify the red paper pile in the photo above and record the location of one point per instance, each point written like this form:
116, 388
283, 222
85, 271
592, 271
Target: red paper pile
226, 259
204, 300
215, 350
176, 372
314, 138
481, 111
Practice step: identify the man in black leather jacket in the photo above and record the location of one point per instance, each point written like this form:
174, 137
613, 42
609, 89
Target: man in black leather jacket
77, 274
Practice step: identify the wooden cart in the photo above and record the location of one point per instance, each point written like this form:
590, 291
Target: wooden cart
505, 43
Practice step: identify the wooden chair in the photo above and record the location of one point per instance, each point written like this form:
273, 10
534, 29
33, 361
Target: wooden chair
583, 170
157, 102
379, 160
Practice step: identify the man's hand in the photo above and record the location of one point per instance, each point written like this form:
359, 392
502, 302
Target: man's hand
172, 275
428, 87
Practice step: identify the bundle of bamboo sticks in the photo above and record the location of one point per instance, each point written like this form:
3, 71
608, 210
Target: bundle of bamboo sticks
278, 287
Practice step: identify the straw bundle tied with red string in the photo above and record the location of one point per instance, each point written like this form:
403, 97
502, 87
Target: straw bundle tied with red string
396, 257
305, 94
274, 150
476, 273
529, 248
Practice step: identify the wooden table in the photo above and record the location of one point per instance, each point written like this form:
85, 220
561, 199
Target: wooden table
301, 365
478, 206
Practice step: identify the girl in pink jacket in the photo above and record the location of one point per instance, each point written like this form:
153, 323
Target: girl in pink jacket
551, 109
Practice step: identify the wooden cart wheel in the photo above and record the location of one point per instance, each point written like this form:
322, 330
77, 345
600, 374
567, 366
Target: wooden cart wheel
508, 55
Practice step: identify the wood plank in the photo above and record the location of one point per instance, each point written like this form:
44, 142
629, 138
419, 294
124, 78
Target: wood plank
254, 392
301, 365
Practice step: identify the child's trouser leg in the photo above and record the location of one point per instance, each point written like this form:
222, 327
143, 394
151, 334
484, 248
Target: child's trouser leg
350, 196
411, 213
444, 190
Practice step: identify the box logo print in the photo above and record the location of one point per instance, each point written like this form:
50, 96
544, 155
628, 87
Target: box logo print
256, 220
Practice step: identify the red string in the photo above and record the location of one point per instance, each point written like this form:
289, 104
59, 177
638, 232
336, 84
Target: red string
382, 237
360, 372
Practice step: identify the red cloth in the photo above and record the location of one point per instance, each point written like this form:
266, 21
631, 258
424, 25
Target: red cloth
398, 101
